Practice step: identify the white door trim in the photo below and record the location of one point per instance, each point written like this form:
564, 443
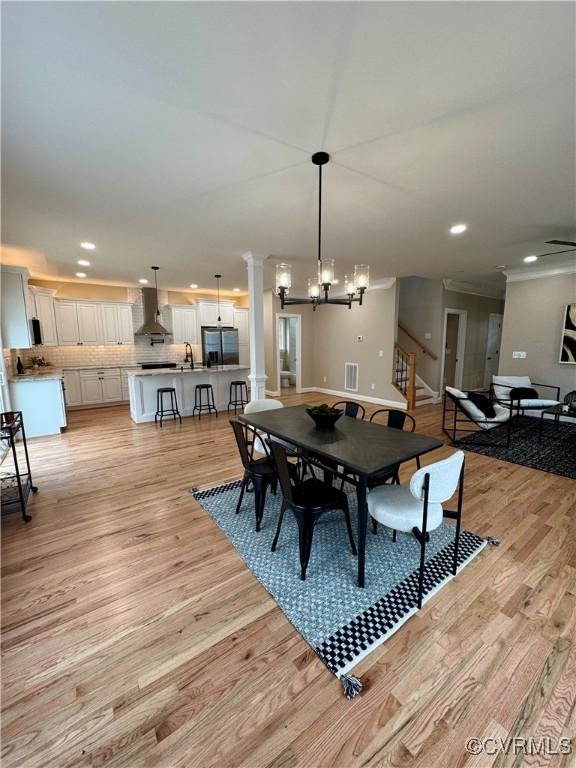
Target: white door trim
461, 347
298, 319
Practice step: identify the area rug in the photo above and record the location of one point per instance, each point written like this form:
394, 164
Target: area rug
341, 622
555, 452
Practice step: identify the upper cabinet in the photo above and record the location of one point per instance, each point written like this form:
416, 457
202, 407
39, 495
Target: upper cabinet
42, 301
15, 309
184, 324
208, 313
86, 323
241, 322
117, 326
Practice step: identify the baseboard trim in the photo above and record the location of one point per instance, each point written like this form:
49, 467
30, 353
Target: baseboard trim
357, 396
273, 393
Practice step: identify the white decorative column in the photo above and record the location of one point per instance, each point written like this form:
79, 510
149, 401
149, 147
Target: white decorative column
255, 265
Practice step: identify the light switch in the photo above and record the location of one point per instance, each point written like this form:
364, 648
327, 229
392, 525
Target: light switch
519, 355
428, 335
372, 386
380, 353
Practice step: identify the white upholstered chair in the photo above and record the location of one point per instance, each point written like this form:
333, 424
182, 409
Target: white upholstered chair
417, 508
257, 406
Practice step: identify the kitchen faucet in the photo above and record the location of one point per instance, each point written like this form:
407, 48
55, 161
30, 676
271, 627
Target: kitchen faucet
189, 356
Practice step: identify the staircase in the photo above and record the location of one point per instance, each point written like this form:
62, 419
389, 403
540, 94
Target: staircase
405, 378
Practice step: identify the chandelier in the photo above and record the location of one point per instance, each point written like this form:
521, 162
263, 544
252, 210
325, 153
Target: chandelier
319, 286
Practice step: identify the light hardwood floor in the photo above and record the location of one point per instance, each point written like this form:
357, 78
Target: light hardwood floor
133, 635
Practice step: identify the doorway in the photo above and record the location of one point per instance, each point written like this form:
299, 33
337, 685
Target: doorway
453, 347
289, 340
493, 342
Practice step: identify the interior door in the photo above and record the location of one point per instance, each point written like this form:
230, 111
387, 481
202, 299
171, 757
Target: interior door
451, 350
493, 347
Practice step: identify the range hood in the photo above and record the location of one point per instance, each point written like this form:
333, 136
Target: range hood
151, 326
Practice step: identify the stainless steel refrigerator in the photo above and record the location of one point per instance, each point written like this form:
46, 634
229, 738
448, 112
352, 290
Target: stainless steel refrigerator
220, 346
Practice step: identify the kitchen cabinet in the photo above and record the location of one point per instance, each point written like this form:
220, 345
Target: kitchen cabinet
72, 391
241, 322
42, 300
100, 386
89, 323
15, 314
117, 326
41, 401
66, 314
184, 326
208, 313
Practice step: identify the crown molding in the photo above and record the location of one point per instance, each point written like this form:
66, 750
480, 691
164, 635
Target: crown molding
517, 275
475, 289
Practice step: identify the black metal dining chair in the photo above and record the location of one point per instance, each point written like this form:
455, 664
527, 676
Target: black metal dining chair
308, 500
394, 419
352, 409
260, 472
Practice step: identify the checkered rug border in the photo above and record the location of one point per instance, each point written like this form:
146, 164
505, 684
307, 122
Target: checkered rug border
343, 649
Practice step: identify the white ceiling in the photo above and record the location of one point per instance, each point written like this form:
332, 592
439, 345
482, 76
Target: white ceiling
180, 134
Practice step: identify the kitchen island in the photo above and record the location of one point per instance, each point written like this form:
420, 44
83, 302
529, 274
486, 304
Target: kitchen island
143, 385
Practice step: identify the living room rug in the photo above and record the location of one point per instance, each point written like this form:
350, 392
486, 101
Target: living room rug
341, 622
555, 452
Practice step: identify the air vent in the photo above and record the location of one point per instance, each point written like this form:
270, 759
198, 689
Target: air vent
351, 377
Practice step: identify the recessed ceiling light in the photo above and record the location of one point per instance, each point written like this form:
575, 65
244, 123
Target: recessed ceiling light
80, 274
530, 259
143, 280
236, 290
457, 229
83, 262
88, 246
193, 285
335, 281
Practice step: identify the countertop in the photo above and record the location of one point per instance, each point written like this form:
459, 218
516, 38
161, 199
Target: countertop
41, 374
196, 369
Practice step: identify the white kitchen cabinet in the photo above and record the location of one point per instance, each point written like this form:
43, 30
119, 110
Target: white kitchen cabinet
15, 310
72, 391
125, 324
208, 313
89, 323
90, 389
117, 327
66, 323
43, 310
241, 322
103, 385
111, 389
41, 401
184, 326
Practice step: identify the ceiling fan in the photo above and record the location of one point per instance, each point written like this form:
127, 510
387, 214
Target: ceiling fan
558, 242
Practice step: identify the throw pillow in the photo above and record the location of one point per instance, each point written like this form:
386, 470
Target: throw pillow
482, 402
523, 393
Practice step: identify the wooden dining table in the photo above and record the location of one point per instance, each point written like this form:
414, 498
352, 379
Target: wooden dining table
363, 448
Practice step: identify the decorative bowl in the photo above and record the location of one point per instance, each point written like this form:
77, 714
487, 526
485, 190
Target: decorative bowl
324, 419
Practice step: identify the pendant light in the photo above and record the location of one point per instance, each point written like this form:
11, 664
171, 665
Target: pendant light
218, 278
319, 286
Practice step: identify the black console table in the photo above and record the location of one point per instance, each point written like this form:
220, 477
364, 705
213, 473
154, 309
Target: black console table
16, 485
